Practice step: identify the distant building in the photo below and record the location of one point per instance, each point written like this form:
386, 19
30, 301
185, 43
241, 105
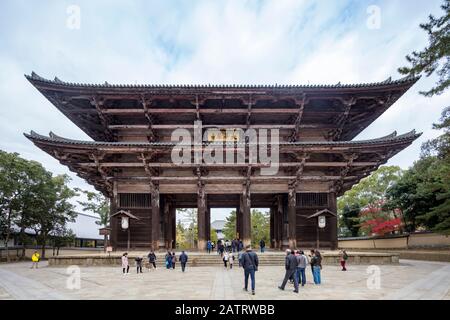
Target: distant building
86, 231
84, 227
219, 225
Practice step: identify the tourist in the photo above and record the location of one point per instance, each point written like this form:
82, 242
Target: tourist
125, 265
316, 262
138, 264
35, 259
240, 258
208, 246
183, 260
168, 259
291, 268
152, 259
343, 256
231, 260
174, 260
221, 248
302, 262
225, 259
311, 255
250, 265
240, 245
262, 245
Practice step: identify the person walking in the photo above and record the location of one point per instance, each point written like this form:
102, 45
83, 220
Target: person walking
262, 245
138, 264
250, 264
152, 259
291, 268
168, 259
240, 245
209, 246
311, 255
231, 260
174, 260
35, 259
125, 265
225, 259
302, 262
183, 260
343, 257
316, 263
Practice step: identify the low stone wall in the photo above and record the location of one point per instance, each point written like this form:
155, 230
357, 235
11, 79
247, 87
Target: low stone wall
199, 259
411, 241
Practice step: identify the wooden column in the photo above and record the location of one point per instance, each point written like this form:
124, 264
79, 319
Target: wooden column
239, 220
246, 217
208, 223
167, 225
292, 219
113, 223
155, 216
280, 221
173, 216
201, 217
272, 228
332, 202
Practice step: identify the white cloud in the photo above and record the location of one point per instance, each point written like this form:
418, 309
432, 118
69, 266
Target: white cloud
207, 42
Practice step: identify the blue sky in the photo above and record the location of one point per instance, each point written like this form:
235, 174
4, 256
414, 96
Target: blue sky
252, 42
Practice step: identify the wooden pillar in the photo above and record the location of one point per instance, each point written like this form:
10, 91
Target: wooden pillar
239, 220
246, 224
292, 219
208, 223
272, 228
173, 216
201, 217
332, 202
280, 219
113, 223
155, 216
167, 226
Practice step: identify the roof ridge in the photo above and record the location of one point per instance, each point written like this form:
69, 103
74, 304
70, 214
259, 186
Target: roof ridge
35, 77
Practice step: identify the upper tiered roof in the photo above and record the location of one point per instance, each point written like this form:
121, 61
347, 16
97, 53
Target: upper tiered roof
108, 112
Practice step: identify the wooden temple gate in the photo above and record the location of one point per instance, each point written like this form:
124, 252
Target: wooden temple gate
130, 159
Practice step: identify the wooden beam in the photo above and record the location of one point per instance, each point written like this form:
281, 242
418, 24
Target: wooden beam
298, 119
224, 165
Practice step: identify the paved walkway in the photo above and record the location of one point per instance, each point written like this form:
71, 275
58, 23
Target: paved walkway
409, 280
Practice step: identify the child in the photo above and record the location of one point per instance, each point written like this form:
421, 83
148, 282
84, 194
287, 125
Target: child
125, 264
225, 259
138, 264
231, 260
343, 256
35, 260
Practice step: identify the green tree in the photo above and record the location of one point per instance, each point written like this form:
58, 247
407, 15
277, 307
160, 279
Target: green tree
369, 191
423, 195
435, 58
50, 207
260, 222
98, 204
229, 230
213, 235
350, 220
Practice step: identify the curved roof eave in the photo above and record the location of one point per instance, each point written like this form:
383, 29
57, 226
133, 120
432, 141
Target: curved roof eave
54, 139
37, 80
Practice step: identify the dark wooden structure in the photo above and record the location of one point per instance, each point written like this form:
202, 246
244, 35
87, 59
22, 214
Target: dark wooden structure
129, 159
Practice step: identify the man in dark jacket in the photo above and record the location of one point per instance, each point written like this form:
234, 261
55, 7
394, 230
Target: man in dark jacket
291, 268
250, 265
262, 245
152, 259
183, 260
